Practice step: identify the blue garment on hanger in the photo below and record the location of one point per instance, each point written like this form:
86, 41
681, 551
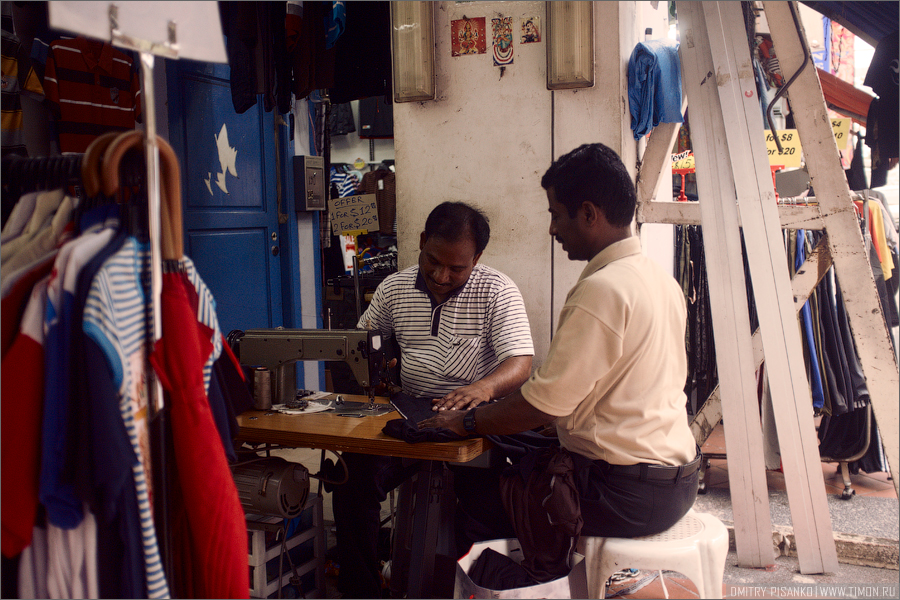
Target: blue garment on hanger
654, 86
815, 378
335, 23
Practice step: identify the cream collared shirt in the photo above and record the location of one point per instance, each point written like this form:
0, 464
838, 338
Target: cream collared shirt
616, 369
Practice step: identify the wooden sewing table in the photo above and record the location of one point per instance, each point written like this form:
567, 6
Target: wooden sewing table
420, 500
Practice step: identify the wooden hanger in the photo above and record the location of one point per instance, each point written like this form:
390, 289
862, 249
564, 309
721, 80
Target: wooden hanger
171, 238
90, 163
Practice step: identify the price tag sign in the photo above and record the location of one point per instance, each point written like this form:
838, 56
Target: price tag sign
841, 129
791, 151
358, 214
683, 160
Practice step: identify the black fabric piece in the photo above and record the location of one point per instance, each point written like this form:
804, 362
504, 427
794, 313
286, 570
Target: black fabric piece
223, 415
9, 572
120, 559
882, 78
340, 121
415, 410
837, 374
495, 571
879, 163
690, 264
856, 174
407, 430
257, 54
376, 117
363, 53
312, 64
541, 498
854, 367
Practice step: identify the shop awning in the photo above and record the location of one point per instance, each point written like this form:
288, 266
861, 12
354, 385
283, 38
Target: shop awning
869, 20
844, 98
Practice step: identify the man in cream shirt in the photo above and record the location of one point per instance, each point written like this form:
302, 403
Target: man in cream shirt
614, 376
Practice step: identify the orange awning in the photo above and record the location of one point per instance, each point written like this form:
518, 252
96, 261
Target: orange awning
844, 98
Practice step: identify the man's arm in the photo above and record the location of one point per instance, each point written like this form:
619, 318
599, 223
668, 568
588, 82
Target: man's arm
512, 414
506, 378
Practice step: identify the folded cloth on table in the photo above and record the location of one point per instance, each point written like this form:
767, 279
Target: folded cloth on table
416, 410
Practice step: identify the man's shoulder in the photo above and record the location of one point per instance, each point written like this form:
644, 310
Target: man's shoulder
486, 275
406, 277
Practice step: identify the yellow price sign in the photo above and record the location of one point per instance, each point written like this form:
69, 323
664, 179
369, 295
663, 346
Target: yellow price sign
791, 151
683, 160
841, 129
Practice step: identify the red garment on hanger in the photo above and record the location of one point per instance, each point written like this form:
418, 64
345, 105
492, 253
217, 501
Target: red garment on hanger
209, 531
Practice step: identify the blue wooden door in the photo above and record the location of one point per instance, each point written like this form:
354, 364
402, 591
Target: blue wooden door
230, 200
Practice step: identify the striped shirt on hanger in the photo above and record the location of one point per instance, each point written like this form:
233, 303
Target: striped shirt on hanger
449, 345
93, 88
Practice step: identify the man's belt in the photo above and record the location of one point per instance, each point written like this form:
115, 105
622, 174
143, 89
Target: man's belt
648, 472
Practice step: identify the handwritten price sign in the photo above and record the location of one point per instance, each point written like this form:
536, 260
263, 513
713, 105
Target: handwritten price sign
683, 160
841, 129
353, 215
791, 151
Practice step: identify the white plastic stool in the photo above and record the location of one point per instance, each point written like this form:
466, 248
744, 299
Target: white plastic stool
695, 546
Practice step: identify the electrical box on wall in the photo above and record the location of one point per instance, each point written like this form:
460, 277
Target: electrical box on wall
310, 183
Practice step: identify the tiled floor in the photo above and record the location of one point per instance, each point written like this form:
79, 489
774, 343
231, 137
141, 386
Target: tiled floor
864, 484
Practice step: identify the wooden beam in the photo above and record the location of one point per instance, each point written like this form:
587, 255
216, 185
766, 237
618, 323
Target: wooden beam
656, 156
688, 213
851, 263
791, 397
727, 291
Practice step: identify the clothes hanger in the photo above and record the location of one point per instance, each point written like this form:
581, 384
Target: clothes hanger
90, 164
171, 236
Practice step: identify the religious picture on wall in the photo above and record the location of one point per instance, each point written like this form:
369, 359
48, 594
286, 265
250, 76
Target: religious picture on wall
468, 36
531, 30
503, 37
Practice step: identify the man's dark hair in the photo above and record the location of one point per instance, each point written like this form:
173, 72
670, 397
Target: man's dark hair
593, 173
453, 220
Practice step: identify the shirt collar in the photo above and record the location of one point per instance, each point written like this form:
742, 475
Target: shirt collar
93, 59
627, 247
420, 285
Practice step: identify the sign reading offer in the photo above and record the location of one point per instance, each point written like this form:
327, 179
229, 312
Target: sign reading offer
357, 214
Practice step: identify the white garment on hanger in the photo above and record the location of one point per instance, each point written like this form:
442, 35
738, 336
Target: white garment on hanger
43, 241
19, 217
40, 217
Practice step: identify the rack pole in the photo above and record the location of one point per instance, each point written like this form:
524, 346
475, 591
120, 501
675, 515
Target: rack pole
152, 155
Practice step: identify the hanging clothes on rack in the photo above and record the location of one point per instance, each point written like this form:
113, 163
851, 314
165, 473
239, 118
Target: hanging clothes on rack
383, 183
77, 434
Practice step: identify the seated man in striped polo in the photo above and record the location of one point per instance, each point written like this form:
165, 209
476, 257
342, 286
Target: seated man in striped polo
464, 340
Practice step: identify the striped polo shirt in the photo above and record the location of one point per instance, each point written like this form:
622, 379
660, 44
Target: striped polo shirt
455, 343
92, 88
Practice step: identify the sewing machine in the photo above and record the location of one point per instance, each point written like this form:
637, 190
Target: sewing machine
278, 349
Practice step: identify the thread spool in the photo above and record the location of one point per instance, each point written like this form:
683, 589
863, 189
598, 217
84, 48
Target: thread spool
262, 388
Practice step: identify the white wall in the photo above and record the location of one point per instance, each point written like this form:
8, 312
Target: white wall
488, 139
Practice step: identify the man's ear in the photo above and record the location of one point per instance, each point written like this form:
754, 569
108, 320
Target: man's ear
475, 260
591, 211
422, 241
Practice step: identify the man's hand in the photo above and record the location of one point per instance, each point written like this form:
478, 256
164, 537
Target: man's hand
448, 419
468, 396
